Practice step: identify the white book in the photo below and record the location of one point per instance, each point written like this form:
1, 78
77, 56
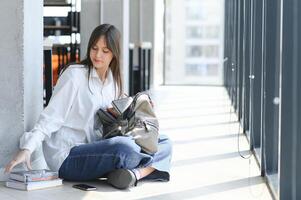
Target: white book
33, 175
33, 185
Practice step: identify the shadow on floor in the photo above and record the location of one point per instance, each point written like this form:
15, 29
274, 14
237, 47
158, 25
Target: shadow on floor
209, 158
206, 190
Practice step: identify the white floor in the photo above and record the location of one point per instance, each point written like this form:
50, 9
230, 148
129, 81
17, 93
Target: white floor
205, 164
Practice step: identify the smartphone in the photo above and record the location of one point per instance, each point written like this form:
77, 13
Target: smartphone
84, 187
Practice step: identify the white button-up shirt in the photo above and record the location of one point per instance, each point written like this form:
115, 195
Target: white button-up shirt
68, 120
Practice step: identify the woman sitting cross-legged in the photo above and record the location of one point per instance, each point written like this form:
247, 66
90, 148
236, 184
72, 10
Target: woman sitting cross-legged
65, 128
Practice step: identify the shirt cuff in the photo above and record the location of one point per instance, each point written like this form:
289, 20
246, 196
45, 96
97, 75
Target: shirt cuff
31, 140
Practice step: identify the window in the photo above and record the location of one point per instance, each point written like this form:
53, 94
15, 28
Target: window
212, 70
196, 69
193, 42
194, 32
201, 69
194, 51
195, 13
212, 32
210, 51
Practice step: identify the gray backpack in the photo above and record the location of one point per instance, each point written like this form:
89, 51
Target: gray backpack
134, 117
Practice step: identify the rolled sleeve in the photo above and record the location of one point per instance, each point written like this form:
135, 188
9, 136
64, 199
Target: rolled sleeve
31, 140
54, 115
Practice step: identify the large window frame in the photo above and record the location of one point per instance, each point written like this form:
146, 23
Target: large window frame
262, 76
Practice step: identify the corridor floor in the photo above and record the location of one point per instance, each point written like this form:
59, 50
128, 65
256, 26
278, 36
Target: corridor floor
205, 164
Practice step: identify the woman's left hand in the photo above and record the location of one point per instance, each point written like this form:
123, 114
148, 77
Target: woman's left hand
23, 156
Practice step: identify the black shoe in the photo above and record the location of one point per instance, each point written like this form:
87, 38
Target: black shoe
122, 178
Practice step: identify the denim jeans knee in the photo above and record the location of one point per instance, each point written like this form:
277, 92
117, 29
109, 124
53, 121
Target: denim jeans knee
121, 144
91, 161
166, 141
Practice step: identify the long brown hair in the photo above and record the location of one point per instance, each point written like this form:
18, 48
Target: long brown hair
112, 38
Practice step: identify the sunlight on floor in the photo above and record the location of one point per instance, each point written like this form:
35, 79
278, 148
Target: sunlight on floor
206, 163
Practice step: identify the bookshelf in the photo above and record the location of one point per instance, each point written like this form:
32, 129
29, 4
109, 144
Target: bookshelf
57, 26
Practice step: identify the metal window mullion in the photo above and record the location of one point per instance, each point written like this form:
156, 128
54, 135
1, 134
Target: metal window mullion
257, 84
290, 140
240, 59
234, 49
225, 45
251, 79
246, 65
270, 122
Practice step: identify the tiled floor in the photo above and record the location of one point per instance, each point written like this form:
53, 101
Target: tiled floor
205, 165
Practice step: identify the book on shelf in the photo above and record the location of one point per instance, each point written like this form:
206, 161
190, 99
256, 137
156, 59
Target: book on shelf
33, 175
33, 185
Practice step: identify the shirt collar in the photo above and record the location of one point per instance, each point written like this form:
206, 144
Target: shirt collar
109, 78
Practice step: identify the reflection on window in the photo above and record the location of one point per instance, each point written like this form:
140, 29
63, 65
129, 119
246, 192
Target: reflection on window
195, 13
201, 69
203, 31
212, 69
212, 32
194, 32
208, 51
194, 51
193, 41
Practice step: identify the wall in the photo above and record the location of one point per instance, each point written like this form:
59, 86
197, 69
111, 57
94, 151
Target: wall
116, 12
21, 62
89, 19
142, 27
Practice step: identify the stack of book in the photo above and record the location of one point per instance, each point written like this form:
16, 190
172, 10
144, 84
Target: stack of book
33, 179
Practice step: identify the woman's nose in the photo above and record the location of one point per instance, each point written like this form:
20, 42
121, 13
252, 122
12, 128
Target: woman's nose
99, 54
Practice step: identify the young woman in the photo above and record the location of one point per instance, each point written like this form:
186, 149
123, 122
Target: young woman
71, 146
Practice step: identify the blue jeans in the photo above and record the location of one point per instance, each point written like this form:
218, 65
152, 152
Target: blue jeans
94, 160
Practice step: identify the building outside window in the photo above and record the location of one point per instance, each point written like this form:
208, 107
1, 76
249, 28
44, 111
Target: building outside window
194, 40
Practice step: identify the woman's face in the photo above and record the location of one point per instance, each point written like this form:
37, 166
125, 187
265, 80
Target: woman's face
100, 55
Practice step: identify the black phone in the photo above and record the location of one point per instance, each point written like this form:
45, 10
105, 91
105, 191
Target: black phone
84, 187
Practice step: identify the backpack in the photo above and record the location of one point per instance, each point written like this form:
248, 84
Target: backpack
134, 117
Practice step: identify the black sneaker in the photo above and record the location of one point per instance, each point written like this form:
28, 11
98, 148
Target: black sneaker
122, 178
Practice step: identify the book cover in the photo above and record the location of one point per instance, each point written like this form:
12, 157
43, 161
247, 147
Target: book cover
33, 185
33, 175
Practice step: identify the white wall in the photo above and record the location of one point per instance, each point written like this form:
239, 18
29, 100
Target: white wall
142, 27
33, 71
158, 47
89, 19
11, 78
21, 62
134, 21
116, 12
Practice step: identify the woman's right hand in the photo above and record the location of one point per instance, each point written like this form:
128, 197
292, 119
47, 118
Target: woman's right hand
21, 157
